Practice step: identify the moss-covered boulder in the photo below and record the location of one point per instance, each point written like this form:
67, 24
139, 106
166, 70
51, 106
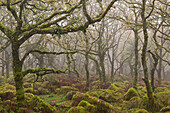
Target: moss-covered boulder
163, 98
134, 102
165, 109
38, 104
108, 96
65, 89
141, 111
130, 93
28, 85
78, 109
95, 93
7, 95
70, 94
113, 87
102, 106
88, 107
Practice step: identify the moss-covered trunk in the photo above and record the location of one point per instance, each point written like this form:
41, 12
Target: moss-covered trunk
144, 61
136, 59
17, 71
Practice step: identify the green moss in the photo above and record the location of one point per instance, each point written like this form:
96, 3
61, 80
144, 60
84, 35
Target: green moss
78, 109
130, 93
108, 96
102, 106
165, 109
141, 111
65, 89
88, 107
113, 87
39, 105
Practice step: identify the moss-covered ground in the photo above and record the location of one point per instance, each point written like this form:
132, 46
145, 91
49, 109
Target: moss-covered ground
58, 94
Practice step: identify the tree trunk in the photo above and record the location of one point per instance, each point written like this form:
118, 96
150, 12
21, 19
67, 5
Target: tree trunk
3, 64
18, 77
145, 68
136, 59
102, 68
153, 68
7, 63
87, 60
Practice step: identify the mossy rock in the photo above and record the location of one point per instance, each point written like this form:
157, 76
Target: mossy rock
70, 94
165, 109
141, 111
134, 102
38, 104
28, 90
7, 95
163, 97
130, 93
161, 89
78, 109
65, 89
95, 93
42, 91
88, 107
102, 106
108, 96
28, 85
113, 87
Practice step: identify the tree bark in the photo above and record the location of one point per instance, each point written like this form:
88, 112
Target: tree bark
17, 71
136, 59
7, 63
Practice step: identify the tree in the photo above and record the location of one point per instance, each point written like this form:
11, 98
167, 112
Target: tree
31, 18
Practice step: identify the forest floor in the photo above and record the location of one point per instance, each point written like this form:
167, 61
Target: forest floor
63, 94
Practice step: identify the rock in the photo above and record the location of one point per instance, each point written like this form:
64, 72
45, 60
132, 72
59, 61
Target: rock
108, 96
78, 109
113, 87
88, 107
38, 104
70, 94
130, 93
165, 109
8, 95
141, 111
102, 106
65, 89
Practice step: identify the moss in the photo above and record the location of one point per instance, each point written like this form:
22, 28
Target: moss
28, 90
141, 111
39, 105
165, 109
163, 97
95, 93
88, 107
113, 87
65, 89
102, 106
108, 96
70, 94
42, 91
161, 89
78, 109
130, 93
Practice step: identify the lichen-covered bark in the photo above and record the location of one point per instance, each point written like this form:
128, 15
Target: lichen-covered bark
18, 76
136, 59
144, 61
